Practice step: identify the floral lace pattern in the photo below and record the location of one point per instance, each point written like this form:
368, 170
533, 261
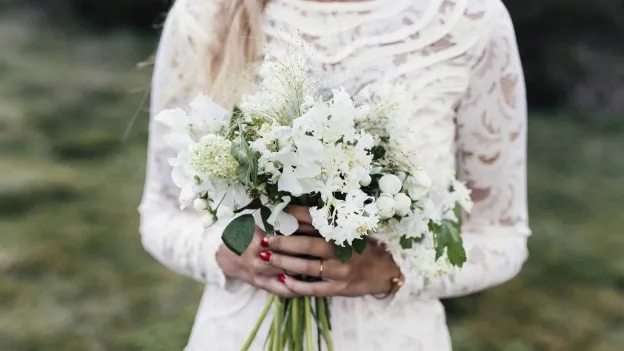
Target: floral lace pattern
459, 59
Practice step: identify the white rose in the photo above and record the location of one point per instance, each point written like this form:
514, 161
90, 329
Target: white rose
200, 204
403, 204
390, 184
385, 205
208, 220
366, 181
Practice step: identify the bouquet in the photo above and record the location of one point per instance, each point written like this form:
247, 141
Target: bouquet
347, 157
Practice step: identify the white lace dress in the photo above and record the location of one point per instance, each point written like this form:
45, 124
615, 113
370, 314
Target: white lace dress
460, 60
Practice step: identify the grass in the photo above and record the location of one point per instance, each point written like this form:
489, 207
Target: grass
73, 274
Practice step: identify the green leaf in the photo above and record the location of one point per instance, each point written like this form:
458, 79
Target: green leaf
247, 170
359, 245
378, 152
344, 252
238, 234
265, 213
253, 205
406, 243
447, 237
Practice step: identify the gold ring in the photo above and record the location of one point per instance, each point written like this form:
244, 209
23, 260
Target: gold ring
321, 269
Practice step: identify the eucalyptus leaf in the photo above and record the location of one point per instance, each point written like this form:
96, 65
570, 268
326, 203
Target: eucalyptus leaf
359, 245
253, 205
344, 252
265, 213
238, 234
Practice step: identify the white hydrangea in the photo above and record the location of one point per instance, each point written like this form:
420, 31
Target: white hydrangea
212, 156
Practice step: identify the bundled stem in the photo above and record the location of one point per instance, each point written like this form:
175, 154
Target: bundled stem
292, 324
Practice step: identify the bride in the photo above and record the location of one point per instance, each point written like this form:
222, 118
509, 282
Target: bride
461, 63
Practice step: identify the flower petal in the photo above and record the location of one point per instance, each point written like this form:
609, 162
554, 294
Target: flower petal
286, 224
289, 182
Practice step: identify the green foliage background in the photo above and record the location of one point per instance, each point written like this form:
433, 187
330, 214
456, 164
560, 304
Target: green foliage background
73, 274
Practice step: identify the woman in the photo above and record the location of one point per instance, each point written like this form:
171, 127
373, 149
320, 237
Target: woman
460, 60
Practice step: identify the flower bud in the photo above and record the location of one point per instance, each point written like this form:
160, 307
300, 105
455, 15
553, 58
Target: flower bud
403, 204
200, 204
208, 220
402, 176
385, 205
390, 184
366, 180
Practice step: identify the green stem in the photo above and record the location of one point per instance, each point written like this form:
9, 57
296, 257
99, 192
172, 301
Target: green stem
296, 323
277, 325
261, 319
308, 323
324, 318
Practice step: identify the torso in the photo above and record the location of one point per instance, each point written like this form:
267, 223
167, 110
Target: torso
429, 45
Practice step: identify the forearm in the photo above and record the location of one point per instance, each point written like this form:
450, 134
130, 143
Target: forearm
178, 240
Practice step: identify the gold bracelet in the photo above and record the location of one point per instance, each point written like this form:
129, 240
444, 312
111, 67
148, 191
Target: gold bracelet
396, 284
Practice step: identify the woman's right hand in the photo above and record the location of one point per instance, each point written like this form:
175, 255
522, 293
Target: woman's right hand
252, 268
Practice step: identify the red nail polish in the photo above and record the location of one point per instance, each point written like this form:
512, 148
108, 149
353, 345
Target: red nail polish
265, 256
282, 278
264, 242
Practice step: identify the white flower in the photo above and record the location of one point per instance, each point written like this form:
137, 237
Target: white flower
462, 195
208, 220
346, 220
403, 204
283, 222
366, 180
418, 184
212, 156
390, 184
422, 178
200, 204
386, 206
214, 117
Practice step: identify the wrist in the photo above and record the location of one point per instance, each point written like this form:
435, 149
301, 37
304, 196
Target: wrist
228, 262
390, 280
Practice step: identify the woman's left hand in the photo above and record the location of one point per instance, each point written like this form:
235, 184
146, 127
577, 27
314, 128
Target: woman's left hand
365, 274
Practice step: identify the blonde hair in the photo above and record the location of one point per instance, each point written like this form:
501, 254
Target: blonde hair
216, 45
236, 43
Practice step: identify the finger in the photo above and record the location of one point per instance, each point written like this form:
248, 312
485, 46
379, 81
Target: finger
274, 286
256, 245
331, 269
307, 229
302, 213
301, 245
260, 267
322, 288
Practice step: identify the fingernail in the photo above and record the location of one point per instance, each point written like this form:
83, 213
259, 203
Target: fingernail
282, 278
265, 256
264, 242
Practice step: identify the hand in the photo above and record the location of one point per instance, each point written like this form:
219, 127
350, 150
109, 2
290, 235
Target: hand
252, 268
369, 273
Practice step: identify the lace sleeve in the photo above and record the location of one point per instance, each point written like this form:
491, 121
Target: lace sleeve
491, 153
174, 237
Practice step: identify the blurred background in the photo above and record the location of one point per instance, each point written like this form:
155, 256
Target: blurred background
73, 274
